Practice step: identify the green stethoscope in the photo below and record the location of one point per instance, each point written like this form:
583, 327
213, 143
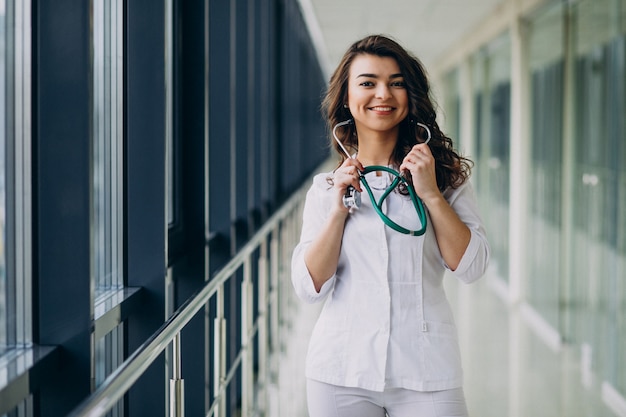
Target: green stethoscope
352, 198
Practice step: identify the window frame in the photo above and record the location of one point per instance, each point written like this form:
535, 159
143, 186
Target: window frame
17, 327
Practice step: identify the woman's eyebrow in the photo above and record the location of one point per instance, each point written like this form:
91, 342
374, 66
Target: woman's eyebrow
376, 76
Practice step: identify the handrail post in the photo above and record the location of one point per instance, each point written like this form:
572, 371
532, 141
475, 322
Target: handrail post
177, 384
285, 304
274, 321
247, 376
274, 308
263, 333
219, 353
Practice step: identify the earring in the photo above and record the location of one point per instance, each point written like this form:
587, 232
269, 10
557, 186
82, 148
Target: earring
345, 106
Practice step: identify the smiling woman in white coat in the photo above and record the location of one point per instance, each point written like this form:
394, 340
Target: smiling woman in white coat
386, 342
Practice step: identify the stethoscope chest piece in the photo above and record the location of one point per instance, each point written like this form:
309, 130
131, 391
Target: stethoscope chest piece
352, 198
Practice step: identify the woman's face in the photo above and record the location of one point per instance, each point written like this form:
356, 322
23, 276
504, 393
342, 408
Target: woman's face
377, 95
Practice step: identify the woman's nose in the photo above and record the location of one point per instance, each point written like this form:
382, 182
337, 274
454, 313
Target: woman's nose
382, 91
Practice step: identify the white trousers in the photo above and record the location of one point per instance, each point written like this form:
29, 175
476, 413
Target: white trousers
325, 400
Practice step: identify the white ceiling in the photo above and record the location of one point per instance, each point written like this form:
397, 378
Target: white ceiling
426, 27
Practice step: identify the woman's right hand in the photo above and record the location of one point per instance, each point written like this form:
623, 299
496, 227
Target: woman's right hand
345, 176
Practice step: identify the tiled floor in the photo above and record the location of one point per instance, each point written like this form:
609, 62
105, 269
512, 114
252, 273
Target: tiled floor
509, 370
288, 396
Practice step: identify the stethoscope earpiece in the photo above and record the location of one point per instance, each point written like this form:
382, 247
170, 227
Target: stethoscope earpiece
338, 125
426, 128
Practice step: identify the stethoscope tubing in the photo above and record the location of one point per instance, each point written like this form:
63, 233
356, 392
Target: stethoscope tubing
417, 202
399, 178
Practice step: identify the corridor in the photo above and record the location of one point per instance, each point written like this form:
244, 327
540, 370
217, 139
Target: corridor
154, 160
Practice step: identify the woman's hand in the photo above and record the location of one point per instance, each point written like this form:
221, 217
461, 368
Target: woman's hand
345, 176
421, 164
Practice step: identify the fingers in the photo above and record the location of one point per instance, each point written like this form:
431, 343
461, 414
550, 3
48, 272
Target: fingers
352, 162
421, 151
348, 174
421, 165
420, 157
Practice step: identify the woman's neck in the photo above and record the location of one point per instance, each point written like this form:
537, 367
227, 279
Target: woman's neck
376, 150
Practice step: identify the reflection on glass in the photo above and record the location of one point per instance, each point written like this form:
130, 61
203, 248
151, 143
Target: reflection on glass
478, 85
169, 117
453, 103
493, 66
599, 185
3, 99
15, 179
107, 250
546, 57
107, 145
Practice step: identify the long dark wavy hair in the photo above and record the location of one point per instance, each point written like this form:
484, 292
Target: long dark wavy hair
451, 169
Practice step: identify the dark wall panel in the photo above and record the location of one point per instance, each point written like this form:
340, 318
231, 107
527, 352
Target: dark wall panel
61, 163
145, 189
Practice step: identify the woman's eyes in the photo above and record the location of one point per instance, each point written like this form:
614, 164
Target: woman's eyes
397, 84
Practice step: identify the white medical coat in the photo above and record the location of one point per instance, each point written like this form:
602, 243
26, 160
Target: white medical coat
386, 321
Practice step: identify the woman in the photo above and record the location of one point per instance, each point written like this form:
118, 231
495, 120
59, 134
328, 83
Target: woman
385, 341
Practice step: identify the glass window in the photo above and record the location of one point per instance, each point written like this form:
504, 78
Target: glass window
170, 150
107, 145
453, 106
599, 186
15, 179
3, 141
546, 53
493, 71
478, 81
107, 235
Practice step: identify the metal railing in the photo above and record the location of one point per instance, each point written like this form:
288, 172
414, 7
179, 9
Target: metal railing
271, 247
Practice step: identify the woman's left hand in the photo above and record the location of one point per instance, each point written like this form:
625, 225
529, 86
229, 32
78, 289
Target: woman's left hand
421, 164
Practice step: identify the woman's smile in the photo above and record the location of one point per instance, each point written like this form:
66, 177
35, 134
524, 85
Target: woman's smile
382, 110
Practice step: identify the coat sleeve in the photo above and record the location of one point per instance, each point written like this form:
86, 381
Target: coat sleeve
313, 217
475, 260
